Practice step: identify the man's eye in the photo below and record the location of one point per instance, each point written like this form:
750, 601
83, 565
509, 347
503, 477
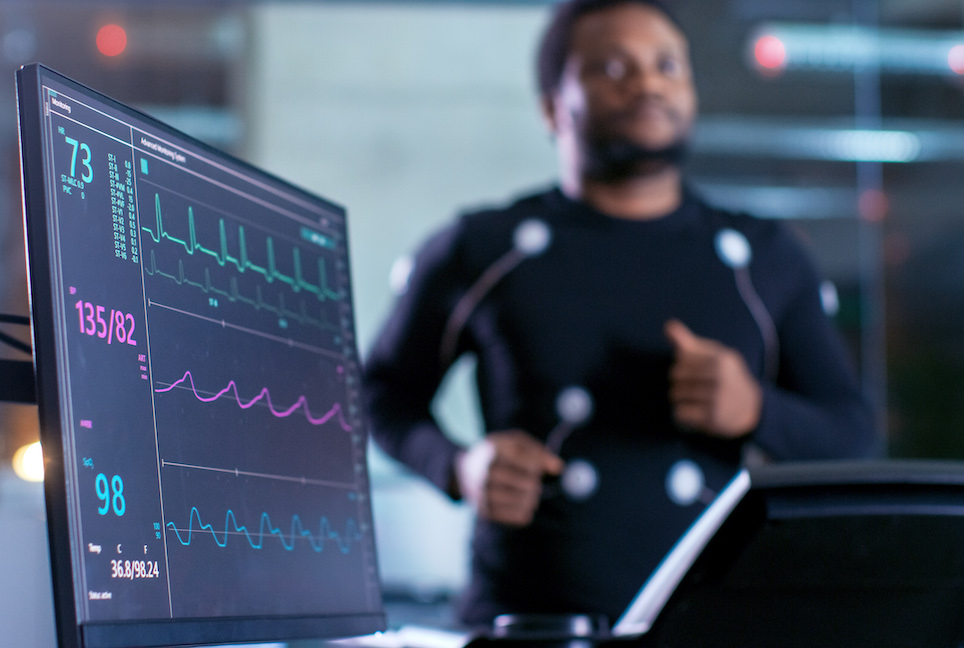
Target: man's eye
671, 67
615, 69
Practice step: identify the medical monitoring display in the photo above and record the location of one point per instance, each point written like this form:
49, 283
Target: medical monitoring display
197, 378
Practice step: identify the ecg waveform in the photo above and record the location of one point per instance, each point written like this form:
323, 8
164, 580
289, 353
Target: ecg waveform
233, 294
343, 541
242, 262
301, 403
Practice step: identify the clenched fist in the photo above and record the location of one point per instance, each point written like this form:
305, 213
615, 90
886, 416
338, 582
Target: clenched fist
501, 476
711, 388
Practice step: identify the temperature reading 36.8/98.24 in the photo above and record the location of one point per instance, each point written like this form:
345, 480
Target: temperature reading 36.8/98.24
131, 569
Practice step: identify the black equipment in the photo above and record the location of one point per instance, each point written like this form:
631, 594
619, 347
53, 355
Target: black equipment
197, 383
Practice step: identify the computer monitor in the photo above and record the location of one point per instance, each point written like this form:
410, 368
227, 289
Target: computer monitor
197, 382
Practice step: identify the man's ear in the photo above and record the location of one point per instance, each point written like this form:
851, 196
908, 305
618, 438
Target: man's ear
547, 105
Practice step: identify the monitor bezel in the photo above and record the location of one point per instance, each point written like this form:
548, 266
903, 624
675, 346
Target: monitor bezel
71, 632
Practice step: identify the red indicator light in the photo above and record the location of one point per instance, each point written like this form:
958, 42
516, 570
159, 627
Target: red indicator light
873, 205
111, 40
770, 53
955, 59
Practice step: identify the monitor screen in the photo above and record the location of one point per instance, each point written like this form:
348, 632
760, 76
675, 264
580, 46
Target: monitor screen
198, 391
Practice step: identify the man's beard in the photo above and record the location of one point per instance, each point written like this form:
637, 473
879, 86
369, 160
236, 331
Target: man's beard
615, 159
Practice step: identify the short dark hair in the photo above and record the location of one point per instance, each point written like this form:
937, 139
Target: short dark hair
556, 40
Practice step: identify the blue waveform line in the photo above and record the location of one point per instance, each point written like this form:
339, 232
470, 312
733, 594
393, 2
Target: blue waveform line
343, 541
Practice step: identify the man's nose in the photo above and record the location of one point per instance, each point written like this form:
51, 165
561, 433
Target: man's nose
642, 78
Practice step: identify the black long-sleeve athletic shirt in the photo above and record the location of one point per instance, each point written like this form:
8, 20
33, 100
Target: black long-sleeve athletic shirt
589, 311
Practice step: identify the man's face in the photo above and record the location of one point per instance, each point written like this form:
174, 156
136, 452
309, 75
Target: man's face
626, 90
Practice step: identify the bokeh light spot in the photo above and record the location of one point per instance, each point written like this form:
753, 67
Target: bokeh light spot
955, 59
111, 40
770, 53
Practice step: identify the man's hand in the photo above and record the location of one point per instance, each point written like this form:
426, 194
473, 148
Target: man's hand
711, 388
501, 476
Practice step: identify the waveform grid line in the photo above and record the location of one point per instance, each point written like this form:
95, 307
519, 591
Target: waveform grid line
302, 402
325, 532
233, 294
242, 262
226, 324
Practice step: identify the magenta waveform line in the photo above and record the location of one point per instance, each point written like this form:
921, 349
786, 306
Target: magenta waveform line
302, 402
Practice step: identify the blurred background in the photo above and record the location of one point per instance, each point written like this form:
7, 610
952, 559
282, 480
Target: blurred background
843, 117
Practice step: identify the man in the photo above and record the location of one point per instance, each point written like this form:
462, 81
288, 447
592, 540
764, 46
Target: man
630, 339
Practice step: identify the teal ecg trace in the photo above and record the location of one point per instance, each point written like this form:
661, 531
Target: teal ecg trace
242, 262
